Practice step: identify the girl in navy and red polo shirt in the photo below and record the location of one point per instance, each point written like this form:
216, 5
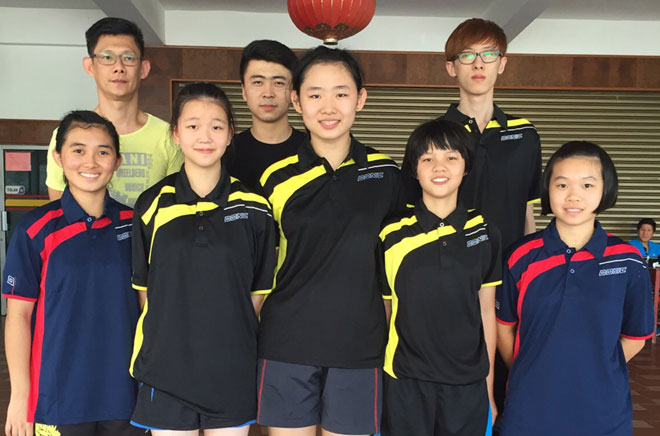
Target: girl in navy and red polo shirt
575, 306
68, 269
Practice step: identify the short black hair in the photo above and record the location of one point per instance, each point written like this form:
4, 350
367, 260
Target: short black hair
441, 134
325, 55
201, 91
583, 149
269, 51
649, 221
113, 26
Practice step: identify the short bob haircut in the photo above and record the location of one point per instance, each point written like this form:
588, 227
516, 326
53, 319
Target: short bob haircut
474, 31
438, 134
201, 91
269, 51
113, 26
583, 149
84, 120
325, 55
649, 221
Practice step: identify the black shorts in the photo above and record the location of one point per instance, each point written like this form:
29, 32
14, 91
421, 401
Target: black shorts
344, 401
420, 408
157, 410
98, 428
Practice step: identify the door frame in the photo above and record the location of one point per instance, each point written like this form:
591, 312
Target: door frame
3, 212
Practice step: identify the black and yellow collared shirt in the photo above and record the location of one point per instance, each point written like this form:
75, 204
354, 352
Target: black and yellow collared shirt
434, 269
506, 171
199, 260
326, 307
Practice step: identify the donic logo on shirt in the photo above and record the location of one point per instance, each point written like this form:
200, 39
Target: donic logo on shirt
612, 271
236, 216
124, 235
378, 175
511, 137
477, 240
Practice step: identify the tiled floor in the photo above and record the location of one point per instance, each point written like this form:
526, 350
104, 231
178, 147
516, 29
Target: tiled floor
645, 388
644, 384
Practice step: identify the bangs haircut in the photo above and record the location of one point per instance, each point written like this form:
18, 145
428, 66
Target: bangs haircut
113, 26
325, 55
84, 120
269, 51
583, 149
201, 91
438, 134
475, 31
649, 221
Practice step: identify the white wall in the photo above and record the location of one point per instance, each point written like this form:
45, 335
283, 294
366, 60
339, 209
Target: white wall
41, 75
236, 29
589, 37
41, 51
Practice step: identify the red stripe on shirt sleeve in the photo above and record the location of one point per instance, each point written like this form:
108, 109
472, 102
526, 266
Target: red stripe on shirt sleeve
501, 321
523, 250
50, 243
637, 338
18, 297
41, 222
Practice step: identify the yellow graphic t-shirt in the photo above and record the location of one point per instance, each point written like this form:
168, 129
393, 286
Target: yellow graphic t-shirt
149, 155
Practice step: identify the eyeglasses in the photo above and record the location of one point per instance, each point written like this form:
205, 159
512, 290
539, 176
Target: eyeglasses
469, 57
109, 58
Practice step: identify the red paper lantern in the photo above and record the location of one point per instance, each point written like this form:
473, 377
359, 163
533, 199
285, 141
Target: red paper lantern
331, 20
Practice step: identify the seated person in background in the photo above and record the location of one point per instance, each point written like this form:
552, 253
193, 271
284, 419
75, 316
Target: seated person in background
645, 231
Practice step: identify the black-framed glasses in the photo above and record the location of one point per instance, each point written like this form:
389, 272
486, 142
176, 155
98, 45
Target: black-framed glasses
469, 57
109, 58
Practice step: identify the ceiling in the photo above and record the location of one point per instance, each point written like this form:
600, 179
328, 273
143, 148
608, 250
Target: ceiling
635, 10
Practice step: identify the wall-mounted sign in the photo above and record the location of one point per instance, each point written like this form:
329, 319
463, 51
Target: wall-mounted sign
18, 161
15, 190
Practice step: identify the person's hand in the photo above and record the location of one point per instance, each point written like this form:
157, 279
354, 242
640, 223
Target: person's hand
17, 424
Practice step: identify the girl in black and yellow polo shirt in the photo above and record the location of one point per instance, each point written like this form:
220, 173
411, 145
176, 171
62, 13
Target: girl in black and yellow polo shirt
204, 247
323, 327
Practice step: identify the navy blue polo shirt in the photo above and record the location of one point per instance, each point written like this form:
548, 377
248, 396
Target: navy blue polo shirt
77, 271
326, 307
199, 261
569, 374
434, 269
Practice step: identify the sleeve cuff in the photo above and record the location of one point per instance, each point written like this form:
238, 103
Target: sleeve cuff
536, 200
261, 292
139, 288
501, 321
489, 284
637, 338
387, 297
19, 297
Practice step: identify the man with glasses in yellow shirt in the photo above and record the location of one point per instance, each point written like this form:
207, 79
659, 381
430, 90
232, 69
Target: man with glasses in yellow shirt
117, 64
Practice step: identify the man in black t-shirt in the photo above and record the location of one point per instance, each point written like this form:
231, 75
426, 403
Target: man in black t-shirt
265, 69
505, 179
